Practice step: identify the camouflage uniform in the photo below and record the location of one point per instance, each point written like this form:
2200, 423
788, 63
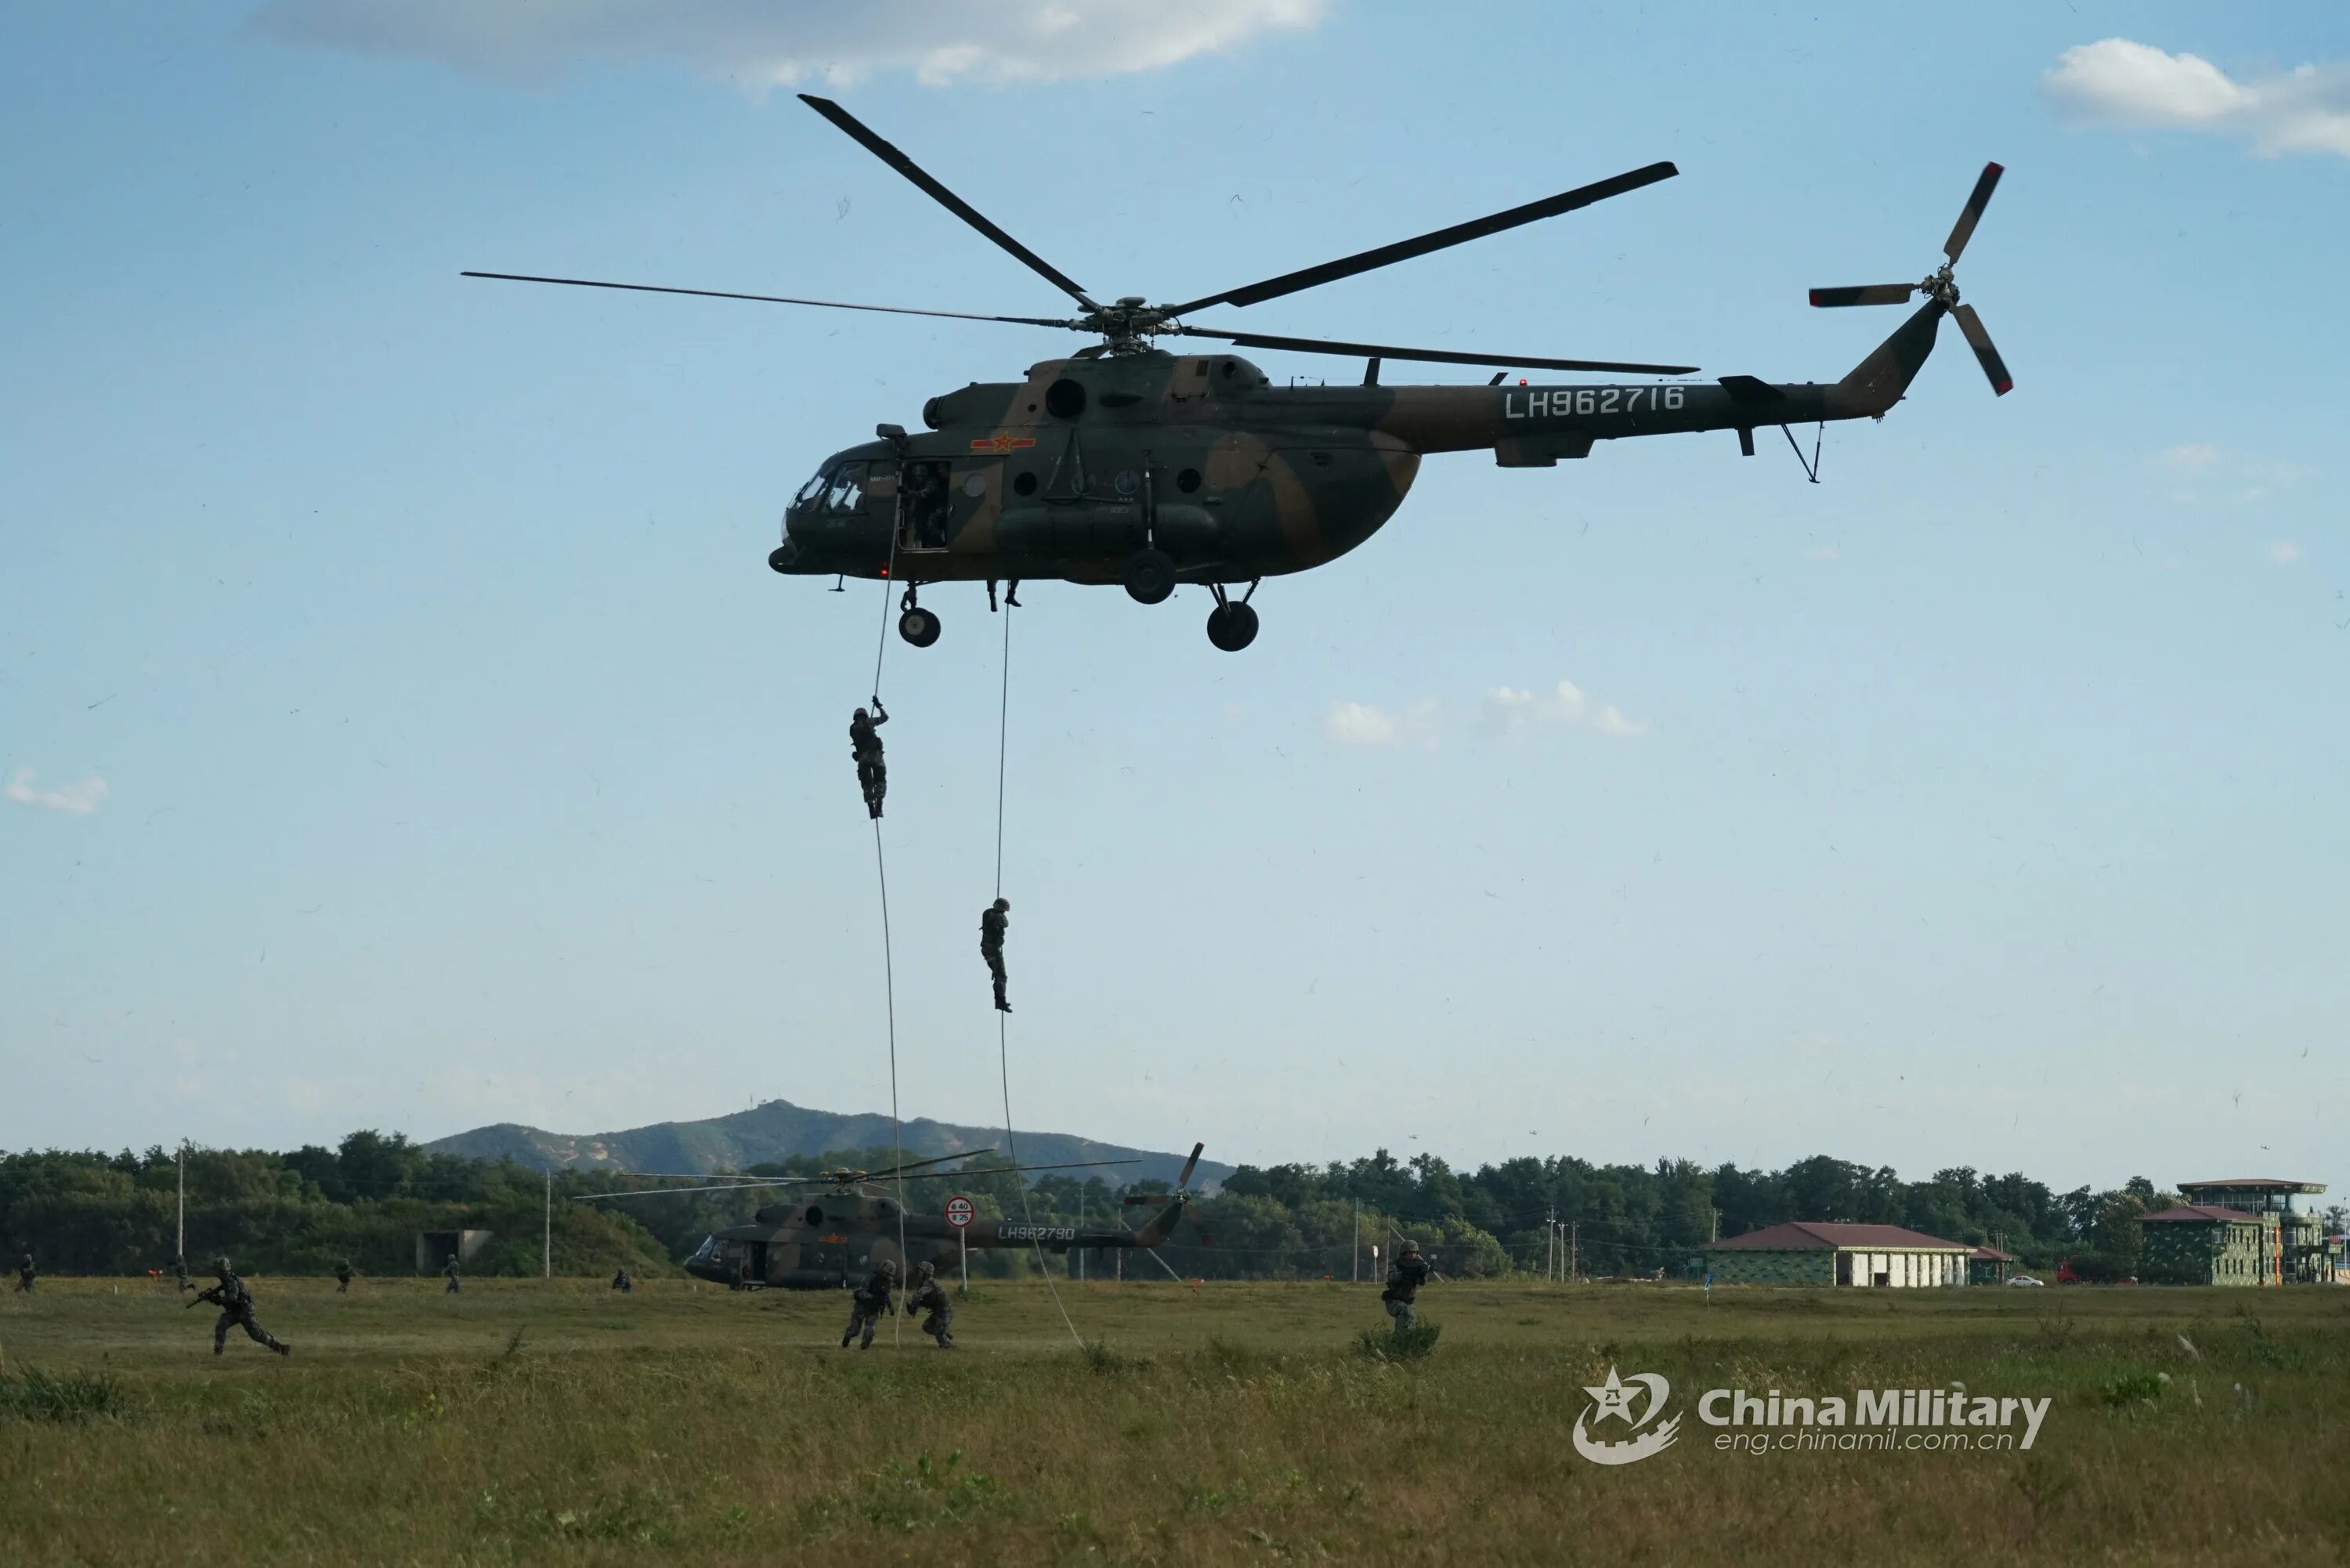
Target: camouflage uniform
25, 1273
1405, 1276
869, 1304
237, 1312
928, 1295
450, 1270
623, 1283
873, 770
993, 921
343, 1277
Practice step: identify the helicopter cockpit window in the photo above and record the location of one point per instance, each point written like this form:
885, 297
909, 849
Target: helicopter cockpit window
812, 489
846, 493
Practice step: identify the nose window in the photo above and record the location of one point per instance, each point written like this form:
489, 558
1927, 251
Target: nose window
847, 491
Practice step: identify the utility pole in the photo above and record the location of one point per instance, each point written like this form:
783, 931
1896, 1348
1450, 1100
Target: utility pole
1574, 1228
546, 1245
181, 1257
963, 1246
1357, 1259
1550, 1244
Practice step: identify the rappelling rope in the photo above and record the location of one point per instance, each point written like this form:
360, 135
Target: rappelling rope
889, 966
889, 992
1003, 1051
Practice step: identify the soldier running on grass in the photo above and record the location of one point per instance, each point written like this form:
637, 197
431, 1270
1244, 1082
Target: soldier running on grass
26, 1273
449, 1269
237, 1312
342, 1276
871, 1303
929, 1296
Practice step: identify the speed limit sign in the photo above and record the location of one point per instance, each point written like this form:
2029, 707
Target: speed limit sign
959, 1211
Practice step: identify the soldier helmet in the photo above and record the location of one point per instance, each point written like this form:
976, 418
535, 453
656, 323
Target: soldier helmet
861, 713
925, 1271
888, 1267
219, 1266
1410, 1249
1004, 904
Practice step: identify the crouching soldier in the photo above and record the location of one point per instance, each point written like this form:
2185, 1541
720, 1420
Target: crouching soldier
1405, 1276
623, 1283
237, 1312
872, 1304
928, 1295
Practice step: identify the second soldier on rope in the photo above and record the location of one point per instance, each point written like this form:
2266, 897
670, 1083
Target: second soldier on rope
872, 772
993, 921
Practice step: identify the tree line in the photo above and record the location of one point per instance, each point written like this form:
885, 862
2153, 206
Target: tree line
366, 1199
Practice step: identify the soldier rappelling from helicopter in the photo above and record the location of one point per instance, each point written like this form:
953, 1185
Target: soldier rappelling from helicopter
872, 772
993, 921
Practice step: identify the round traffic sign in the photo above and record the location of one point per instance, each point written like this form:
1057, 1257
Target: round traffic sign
959, 1211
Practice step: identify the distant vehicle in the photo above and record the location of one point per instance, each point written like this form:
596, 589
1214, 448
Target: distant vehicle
2023, 1280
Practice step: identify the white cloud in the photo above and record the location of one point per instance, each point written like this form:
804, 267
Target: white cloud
2285, 552
2192, 457
789, 42
81, 799
1504, 711
2114, 81
1824, 553
1366, 724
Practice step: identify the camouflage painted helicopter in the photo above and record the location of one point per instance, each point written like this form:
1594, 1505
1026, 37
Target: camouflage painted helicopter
830, 1235
1124, 464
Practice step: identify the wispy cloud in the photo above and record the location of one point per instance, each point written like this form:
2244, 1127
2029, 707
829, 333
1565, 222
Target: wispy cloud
1824, 553
2117, 82
80, 798
2209, 474
2192, 457
790, 42
1366, 724
2283, 552
1504, 711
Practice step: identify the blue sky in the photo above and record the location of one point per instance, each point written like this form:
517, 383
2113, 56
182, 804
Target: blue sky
400, 726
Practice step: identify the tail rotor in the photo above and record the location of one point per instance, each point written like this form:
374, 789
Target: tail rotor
1940, 286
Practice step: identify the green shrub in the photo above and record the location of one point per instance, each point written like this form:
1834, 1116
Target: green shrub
34, 1394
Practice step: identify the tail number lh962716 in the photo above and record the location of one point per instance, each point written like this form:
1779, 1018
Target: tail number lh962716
1560, 402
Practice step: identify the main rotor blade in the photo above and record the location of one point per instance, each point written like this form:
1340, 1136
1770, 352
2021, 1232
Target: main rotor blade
1190, 1165
695, 1191
1994, 368
1008, 1169
1871, 294
1972, 213
1430, 356
934, 1160
774, 299
1437, 240
945, 198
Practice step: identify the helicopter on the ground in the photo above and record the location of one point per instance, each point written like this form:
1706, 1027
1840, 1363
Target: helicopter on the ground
831, 1235
1124, 464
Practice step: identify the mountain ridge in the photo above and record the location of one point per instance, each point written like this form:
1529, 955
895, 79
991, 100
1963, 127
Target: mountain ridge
775, 1130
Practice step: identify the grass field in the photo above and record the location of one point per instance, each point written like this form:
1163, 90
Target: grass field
556, 1422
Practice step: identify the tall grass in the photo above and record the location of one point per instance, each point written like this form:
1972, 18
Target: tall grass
1236, 1424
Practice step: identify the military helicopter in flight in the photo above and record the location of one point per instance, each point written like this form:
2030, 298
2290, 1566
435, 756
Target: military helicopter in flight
834, 1232
1126, 463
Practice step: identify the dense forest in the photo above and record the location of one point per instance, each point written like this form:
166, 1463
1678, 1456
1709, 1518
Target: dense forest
366, 1198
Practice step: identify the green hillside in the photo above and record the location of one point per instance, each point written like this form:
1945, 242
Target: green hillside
779, 1130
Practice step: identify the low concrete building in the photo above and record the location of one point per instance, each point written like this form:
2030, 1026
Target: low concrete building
1811, 1252
2206, 1244
434, 1247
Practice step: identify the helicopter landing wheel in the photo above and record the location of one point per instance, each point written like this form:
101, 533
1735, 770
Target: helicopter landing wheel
1150, 575
1231, 626
919, 627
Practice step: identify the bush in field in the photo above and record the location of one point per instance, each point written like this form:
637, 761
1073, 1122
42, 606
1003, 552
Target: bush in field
1403, 1344
32, 1395
2133, 1388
